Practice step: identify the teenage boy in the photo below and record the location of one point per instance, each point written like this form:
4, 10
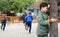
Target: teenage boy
43, 21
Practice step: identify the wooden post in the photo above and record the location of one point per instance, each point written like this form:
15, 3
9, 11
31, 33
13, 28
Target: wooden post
53, 13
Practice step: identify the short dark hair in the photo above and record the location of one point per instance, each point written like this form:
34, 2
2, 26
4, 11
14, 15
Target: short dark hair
43, 5
29, 12
4, 12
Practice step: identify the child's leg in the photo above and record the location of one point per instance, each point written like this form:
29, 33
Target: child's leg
26, 26
29, 27
4, 25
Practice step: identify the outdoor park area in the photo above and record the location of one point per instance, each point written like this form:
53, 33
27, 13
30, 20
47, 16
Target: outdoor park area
14, 19
18, 30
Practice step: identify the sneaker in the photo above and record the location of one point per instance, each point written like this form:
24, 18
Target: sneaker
29, 32
26, 28
3, 29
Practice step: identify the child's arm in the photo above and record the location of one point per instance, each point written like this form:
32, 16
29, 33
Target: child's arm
42, 21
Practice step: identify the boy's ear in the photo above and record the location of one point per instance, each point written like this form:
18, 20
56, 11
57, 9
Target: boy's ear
42, 7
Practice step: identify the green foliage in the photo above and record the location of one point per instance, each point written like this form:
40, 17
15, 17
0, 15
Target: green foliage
14, 5
49, 1
46, 1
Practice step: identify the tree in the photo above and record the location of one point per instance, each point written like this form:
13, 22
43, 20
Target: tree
14, 5
53, 13
3, 5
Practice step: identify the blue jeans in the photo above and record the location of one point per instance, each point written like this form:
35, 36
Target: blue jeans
46, 35
29, 25
3, 24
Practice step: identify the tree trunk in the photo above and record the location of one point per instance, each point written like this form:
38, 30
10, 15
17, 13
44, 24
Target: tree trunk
53, 13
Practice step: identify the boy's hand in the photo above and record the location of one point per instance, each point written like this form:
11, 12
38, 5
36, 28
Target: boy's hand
53, 20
